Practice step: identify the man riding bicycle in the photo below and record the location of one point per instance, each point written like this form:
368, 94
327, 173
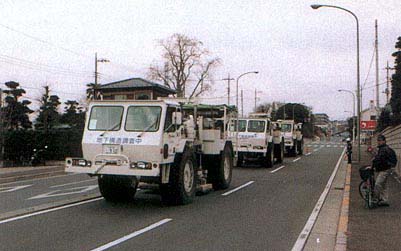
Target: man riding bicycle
383, 162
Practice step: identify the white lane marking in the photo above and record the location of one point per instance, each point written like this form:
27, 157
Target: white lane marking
132, 235
275, 170
72, 183
238, 188
316, 150
44, 178
48, 210
12, 188
328, 146
295, 160
303, 236
64, 192
308, 154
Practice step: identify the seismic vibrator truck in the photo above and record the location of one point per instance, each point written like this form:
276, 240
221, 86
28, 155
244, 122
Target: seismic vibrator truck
182, 147
293, 139
256, 140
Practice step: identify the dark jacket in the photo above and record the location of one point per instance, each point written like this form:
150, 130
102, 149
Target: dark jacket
384, 158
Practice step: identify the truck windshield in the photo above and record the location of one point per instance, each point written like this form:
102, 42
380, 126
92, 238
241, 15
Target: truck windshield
242, 125
105, 118
256, 126
286, 127
143, 118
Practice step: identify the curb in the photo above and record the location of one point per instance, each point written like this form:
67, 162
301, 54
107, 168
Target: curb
341, 239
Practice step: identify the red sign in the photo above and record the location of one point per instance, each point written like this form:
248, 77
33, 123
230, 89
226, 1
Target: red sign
368, 125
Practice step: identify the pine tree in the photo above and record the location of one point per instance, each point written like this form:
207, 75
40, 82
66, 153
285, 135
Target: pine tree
48, 114
15, 114
73, 116
395, 100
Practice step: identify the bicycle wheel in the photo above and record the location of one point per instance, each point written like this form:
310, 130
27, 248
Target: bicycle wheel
363, 187
369, 202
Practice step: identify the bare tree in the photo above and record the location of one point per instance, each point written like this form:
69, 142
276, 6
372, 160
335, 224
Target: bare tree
186, 67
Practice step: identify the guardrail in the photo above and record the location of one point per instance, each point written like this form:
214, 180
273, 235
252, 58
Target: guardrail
393, 139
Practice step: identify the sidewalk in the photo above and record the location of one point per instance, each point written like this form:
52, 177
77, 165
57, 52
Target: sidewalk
11, 174
378, 228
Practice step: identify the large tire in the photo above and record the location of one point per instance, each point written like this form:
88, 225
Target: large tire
182, 184
300, 144
221, 173
117, 188
269, 159
294, 149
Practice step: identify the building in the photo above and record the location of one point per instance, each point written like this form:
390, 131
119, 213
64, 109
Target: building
133, 88
369, 118
321, 120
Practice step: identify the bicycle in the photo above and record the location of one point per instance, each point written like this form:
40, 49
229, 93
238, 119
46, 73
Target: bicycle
367, 185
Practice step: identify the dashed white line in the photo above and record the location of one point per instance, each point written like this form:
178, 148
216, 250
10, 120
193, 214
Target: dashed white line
132, 235
308, 154
238, 188
73, 183
316, 150
49, 210
295, 160
275, 170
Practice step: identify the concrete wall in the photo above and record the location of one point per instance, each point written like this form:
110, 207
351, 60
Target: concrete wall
393, 139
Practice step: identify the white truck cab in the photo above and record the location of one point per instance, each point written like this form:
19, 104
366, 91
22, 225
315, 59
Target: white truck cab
292, 136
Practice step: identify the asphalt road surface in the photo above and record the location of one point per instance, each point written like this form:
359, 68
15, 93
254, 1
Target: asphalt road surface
264, 209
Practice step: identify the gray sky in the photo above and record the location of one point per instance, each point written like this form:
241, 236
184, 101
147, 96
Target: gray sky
303, 55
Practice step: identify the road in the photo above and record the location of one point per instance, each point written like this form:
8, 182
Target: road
264, 209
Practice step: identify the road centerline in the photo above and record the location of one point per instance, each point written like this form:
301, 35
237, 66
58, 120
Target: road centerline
308, 154
238, 188
132, 235
277, 169
295, 160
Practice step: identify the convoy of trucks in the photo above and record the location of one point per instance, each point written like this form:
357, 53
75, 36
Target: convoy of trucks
182, 147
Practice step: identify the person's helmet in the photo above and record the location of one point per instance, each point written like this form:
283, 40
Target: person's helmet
381, 137
348, 139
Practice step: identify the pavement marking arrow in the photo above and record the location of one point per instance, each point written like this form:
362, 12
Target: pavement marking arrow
74, 190
12, 188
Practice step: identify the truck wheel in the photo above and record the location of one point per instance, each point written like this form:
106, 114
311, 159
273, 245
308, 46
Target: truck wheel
269, 157
182, 185
294, 149
300, 146
222, 173
280, 158
117, 188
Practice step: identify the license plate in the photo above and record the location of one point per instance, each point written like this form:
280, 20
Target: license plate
110, 149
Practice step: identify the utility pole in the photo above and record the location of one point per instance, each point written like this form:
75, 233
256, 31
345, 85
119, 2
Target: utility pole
377, 65
242, 103
255, 99
228, 87
388, 68
102, 60
46, 108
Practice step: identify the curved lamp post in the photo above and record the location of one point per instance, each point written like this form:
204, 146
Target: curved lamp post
317, 6
236, 136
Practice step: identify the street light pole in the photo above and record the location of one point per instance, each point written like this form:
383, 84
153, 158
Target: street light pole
358, 94
236, 135
353, 110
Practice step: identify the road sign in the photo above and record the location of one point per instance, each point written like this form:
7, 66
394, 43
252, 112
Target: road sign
368, 125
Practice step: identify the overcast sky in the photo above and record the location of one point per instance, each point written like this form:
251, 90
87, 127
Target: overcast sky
303, 55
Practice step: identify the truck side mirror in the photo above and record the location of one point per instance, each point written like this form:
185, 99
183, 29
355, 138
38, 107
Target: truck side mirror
177, 118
